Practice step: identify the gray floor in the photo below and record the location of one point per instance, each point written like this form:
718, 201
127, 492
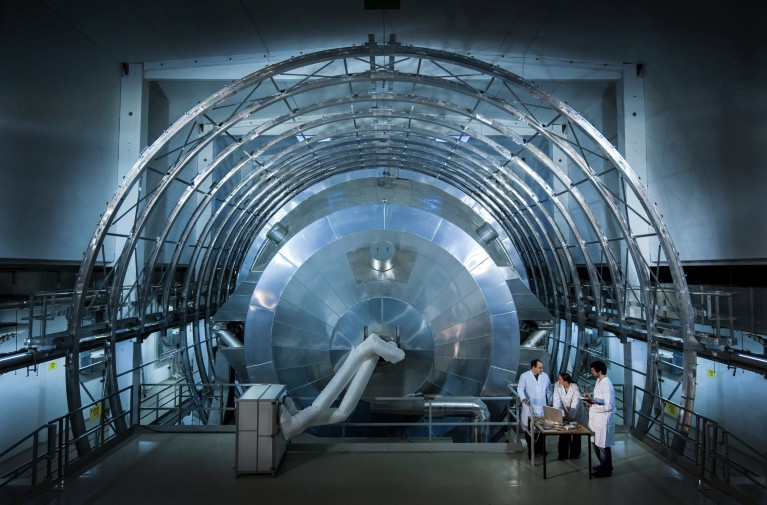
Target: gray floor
198, 468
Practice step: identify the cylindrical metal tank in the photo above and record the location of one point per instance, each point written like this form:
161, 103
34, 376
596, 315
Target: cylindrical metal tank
401, 272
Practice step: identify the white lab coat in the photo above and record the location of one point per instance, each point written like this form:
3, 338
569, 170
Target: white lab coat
537, 392
602, 417
570, 402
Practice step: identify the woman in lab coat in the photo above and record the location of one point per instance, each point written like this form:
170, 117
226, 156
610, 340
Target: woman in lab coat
567, 397
534, 389
602, 419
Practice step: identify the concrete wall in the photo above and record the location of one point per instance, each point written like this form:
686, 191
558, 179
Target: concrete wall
706, 131
705, 88
59, 104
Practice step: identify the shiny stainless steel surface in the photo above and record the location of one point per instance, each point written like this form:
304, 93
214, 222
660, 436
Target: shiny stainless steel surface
434, 300
240, 162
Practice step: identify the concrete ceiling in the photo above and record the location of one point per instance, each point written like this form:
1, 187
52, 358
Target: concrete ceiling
150, 30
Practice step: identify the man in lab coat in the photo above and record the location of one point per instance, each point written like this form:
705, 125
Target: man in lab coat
534, 389
601, 406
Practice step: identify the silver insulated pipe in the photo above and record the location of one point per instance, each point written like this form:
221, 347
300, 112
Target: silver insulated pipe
536, 338
227, 338
437, 408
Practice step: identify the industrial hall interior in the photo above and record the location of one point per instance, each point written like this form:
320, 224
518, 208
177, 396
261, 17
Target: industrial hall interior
382, 251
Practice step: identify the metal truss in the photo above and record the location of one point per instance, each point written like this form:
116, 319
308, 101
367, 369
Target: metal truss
174, 237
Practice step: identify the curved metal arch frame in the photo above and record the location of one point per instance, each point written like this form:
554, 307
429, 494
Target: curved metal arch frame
549, 192
299, 169
563, 178
292, 163
468, 173
648, 213
325, 122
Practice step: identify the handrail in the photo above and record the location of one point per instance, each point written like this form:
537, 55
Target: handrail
708, 449
710, 446
32, 465
179, 398
43, 469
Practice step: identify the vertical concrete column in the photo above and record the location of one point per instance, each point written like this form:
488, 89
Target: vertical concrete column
132, 140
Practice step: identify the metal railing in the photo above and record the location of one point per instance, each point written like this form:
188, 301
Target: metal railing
46, 455
46, 462
714, 455
170, 403
707, 449
184, 404
432, 425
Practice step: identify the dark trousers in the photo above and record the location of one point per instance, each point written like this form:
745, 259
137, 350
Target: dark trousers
605, 457
539, 447
569, 446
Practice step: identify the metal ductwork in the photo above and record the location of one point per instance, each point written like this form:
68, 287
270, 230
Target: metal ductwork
227, 338
231, 348
537, 338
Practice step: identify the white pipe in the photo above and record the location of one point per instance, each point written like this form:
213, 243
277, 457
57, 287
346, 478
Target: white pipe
355, 372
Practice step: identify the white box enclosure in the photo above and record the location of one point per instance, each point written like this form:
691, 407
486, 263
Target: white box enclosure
260, 444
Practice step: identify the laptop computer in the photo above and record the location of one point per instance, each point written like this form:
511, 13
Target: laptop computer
552, 415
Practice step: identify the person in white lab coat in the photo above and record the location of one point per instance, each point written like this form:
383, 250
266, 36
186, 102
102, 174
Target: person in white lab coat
534, 389
567, 397
602, 419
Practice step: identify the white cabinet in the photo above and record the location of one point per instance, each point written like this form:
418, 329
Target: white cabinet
260, 443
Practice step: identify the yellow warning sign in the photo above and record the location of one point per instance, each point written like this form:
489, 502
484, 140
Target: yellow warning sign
671, 410
51, 365
712, 373
95, 411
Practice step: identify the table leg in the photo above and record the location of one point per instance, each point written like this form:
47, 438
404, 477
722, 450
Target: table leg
532, 441
588, 445
544, 454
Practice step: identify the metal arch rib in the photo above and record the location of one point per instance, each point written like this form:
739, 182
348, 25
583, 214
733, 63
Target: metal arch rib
374, 51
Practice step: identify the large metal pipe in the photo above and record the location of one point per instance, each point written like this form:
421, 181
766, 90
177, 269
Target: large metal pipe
28, 358
437, 408
14, 361
227, 338
536, 337
461, 406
